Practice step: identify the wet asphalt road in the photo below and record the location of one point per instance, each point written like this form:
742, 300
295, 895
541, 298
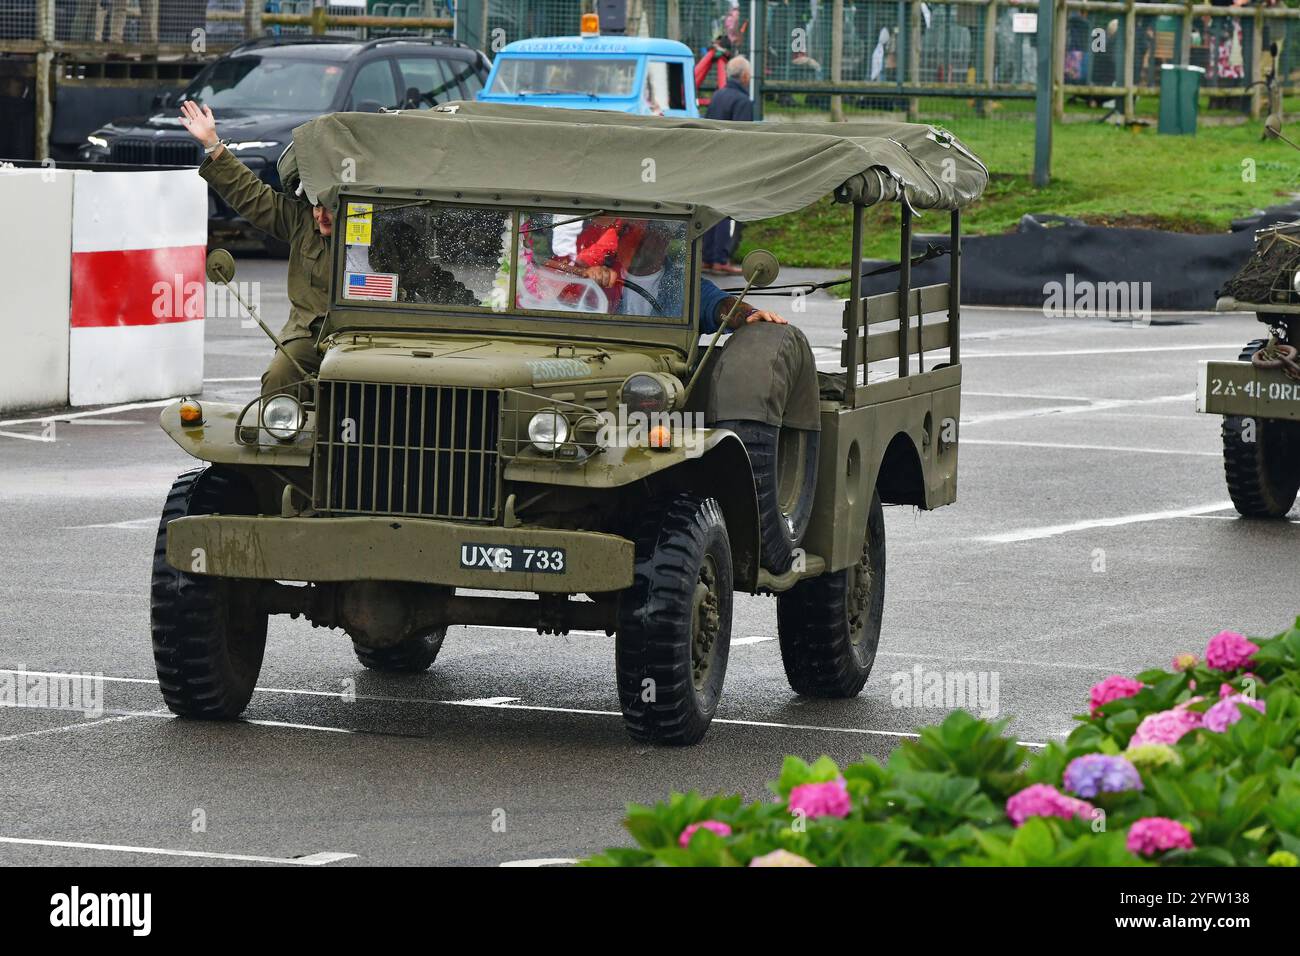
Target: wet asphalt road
1092, 534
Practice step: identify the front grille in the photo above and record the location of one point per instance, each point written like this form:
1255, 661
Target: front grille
418, 450
149, 152
133, 151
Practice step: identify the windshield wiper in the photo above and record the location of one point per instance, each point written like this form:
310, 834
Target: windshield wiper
589, 95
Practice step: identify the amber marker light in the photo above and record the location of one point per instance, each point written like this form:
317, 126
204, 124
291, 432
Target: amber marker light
590, 25
660, 437
191, 412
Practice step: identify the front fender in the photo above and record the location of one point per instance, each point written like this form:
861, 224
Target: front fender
718, 466
214, 439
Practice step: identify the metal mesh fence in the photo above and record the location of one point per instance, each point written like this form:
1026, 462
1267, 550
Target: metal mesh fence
142, 24
944, 57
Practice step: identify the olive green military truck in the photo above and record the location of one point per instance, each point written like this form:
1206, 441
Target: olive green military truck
517, 422
1259, 394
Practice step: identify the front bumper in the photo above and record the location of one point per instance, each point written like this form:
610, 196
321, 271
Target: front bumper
1238, 388
391, 549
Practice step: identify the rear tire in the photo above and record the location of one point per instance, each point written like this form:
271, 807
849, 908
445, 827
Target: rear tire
411, 656
784, 461
208, 636
674, 629
1263, 475
829, 626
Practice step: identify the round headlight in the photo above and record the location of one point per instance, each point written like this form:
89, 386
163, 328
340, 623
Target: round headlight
650, 392
548, 430
282, 417
1295, 282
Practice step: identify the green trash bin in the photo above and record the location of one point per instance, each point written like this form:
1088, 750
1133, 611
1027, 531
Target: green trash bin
1180, 89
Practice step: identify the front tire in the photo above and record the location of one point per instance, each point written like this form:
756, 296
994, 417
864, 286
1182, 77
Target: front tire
674, 629
829, 626
208, 636
410, 656
1261, 459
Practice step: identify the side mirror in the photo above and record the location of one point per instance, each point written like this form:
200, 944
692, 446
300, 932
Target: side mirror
761, 268
221, 266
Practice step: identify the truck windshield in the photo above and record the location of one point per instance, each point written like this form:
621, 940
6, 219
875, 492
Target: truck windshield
517, 262
568, 75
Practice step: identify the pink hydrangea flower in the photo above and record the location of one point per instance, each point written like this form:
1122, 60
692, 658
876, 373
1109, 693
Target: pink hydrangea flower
717, 826
1226, 712
1229, 651
1112, 688
1152, 835
1044, 800
1166, 727
813, 800
780, 858
1184, 661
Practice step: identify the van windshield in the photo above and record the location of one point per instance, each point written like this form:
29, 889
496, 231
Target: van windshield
501, 260
573, 76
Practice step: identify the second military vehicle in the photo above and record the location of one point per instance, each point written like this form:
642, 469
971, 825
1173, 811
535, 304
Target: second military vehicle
1259, 394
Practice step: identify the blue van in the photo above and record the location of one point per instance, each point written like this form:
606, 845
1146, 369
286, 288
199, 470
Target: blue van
624, 74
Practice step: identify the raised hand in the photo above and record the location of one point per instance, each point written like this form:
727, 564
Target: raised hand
200, 123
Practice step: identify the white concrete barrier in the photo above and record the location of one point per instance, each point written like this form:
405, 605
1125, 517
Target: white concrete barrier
35, 256
136, 314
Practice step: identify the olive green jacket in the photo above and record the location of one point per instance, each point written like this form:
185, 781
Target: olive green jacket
287, 219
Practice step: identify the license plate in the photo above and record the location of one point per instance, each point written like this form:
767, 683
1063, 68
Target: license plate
512, 557
1238, 388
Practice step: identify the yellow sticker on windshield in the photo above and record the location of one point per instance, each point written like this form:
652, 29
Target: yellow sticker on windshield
359, 217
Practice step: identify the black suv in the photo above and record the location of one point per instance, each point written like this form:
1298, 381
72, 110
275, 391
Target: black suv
261, 90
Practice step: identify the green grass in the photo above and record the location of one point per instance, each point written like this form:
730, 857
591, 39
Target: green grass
1102, 174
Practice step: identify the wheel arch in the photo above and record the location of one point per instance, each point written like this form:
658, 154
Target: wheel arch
900, 478
723, 472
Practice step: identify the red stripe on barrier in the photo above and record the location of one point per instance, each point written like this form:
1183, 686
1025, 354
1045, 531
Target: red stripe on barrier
137, 286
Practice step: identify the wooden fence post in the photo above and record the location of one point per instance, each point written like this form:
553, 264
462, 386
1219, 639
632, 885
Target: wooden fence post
1130, 57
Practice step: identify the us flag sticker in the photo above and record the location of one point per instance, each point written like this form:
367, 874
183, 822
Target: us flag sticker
370, 285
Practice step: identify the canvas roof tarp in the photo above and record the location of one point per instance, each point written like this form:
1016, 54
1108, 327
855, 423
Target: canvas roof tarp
709, 168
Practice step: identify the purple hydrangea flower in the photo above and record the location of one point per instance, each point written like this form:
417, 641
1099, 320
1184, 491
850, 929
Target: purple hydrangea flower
1092, 774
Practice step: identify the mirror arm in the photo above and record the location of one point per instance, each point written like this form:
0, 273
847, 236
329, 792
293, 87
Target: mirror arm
265, 328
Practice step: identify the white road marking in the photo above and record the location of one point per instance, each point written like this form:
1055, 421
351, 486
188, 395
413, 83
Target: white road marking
990, 660
487, 702
315, 859
40, 438
133, 524
1115, 448
65, 728
1051, 531
1096, 406
484, 701
1236, 346
542, 861
735, 641
1048, 398
97, 413
244, 378
1237, 517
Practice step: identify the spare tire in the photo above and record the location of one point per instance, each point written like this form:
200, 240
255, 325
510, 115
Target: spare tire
784, 461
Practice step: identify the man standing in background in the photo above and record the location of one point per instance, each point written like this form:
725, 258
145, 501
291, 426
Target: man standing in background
732, 102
